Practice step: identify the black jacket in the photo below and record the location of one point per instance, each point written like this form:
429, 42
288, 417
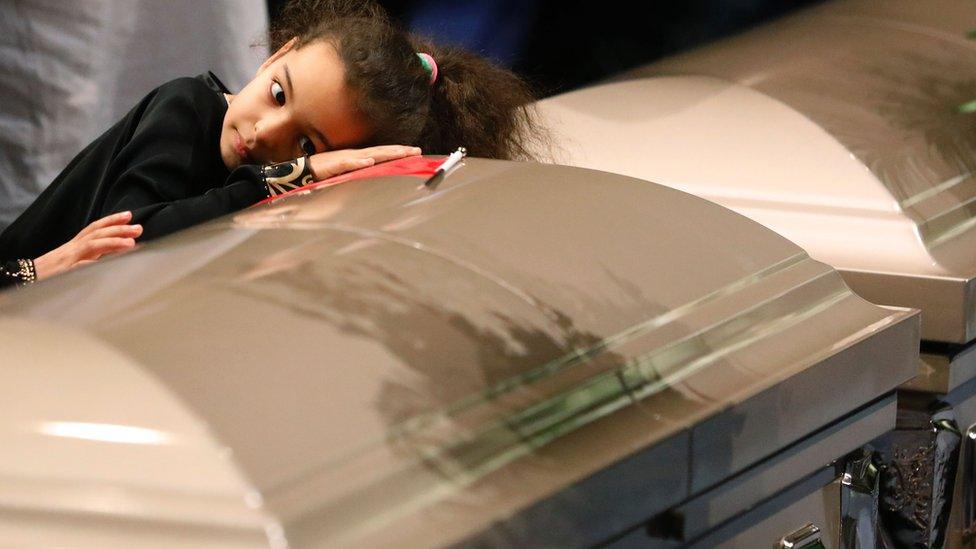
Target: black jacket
161, 161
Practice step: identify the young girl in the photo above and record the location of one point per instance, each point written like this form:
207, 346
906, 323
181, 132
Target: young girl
343, 83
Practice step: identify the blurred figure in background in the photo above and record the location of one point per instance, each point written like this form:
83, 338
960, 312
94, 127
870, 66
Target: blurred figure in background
68, 70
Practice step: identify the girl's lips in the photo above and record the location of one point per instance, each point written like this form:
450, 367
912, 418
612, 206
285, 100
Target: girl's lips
240, 148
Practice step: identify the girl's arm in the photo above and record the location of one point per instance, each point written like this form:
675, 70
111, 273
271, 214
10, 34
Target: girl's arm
107, 235
164, 217
291, 175
161, 175
250, 184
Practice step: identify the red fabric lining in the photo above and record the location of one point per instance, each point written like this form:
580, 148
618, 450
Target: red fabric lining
418, 166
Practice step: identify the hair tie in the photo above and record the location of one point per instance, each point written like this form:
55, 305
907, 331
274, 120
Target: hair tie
429, 65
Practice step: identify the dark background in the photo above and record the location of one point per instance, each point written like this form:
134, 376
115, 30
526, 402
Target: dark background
562, 45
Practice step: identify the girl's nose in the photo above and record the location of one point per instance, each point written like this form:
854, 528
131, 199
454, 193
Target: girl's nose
271, 131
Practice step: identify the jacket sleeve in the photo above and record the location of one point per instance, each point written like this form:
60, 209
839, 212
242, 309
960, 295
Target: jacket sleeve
17, 272
162, 217
237, 193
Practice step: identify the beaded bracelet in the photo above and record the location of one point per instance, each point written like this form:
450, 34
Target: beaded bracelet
26, 272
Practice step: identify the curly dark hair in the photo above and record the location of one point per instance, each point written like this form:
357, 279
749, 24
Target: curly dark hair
473, 103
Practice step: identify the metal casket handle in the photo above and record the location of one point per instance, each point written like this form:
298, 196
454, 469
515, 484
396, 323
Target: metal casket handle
969, 485
807, 537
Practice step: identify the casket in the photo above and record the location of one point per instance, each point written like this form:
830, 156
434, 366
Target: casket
849, 129
525, 355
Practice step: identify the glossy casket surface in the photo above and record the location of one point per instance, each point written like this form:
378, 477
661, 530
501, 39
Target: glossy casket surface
842, 128
527, 354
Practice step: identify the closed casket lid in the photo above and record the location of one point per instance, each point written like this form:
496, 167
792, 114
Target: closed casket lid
841, 128
378, 363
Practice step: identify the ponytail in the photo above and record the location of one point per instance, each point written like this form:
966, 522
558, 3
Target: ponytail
478, 105
472, 103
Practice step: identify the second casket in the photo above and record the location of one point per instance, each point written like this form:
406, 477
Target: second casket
846, 128
527, 354
851, 130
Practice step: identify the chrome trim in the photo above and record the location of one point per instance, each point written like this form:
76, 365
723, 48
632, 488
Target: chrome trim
969, 485
806, 537
859, 502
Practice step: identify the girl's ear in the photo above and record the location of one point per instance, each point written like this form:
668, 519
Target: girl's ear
285, 48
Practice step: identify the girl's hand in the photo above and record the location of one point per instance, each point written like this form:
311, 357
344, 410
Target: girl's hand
331, 163
107, 235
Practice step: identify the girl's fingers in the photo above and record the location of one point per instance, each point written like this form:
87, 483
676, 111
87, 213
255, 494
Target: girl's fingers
390, 152
331, 163
98, 247
350, 164
108, 220
131, 231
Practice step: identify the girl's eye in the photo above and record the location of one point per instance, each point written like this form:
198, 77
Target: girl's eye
307, 146
277, 92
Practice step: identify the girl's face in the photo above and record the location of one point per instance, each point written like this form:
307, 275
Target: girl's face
298, 104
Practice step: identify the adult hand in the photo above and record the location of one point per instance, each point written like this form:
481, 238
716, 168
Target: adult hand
331, 163
107, 235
